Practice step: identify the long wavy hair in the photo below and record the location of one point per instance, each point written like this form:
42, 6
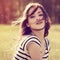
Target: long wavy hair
26, 30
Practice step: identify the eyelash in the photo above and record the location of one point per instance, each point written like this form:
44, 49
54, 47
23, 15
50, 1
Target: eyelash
32, 16
38, 15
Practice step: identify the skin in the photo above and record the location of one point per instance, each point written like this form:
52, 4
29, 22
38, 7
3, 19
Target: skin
36, 20
36, 23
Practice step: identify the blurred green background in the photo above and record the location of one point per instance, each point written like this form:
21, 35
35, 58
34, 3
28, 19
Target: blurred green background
10, 10
9, 36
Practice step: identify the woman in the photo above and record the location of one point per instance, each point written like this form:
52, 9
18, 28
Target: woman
34, 29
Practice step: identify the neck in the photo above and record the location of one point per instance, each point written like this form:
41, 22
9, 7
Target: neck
39, 34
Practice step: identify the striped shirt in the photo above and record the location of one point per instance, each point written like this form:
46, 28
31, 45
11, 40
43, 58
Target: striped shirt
22, 52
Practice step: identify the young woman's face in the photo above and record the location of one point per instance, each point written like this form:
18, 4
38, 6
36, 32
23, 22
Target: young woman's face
36, 21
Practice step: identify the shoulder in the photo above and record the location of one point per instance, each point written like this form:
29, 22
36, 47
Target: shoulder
32, 38
29, 39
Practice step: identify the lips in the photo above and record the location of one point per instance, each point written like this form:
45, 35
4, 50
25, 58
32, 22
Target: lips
39, 22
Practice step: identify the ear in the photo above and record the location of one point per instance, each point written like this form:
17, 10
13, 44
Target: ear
27, 25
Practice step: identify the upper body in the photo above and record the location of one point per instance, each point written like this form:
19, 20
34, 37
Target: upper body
35, 26
32, 43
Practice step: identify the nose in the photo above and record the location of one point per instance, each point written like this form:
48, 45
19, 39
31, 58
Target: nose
37, 19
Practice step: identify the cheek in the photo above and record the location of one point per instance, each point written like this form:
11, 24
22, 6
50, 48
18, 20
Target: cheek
30, 23
31, 20
44, 21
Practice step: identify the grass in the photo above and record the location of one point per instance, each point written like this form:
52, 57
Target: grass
9, 35
54, 37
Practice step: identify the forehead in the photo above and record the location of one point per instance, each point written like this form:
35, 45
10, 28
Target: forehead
38, 10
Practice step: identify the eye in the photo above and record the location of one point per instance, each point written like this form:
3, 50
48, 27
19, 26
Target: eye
40, 14
32, 16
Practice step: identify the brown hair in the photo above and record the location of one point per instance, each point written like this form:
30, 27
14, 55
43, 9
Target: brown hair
26, 30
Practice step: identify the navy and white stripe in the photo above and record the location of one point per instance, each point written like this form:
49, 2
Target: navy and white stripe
45, 57
22, 52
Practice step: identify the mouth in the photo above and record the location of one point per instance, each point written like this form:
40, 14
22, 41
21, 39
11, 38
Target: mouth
39, 22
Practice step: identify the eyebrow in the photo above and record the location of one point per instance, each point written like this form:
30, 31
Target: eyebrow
39, 12
33, 11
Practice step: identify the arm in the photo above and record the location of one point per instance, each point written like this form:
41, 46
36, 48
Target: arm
35, 51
